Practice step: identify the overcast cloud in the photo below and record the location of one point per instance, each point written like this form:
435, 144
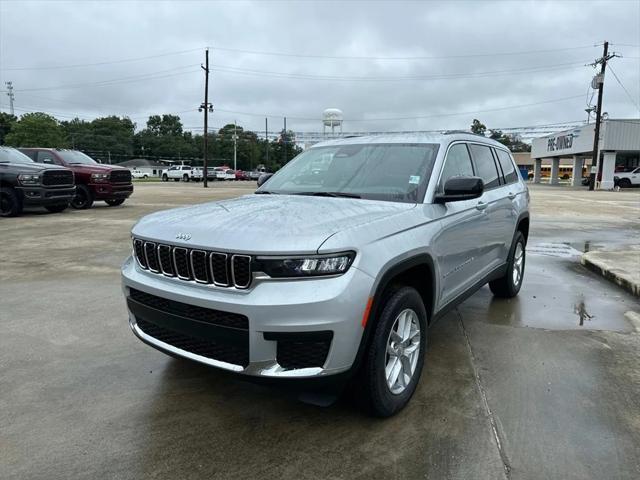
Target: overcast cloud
37, 35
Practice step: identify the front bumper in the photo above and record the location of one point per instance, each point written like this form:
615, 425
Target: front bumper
111, 191
276, 310
44, 196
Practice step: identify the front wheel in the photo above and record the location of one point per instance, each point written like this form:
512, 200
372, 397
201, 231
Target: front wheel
165, 178
57, 208
10, 203
624, 183
115, 202
394, 361
509, 285
83, 198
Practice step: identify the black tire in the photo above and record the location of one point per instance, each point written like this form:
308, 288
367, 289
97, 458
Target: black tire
57, 208
145, 176
379, 398
185, 177
10, 202
508, 286
165, 178
83, 198
624, 183
115, 202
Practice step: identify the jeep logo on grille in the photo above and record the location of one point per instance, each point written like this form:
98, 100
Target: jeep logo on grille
183, 236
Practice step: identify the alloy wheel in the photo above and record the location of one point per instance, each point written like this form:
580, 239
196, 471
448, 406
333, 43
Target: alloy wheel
403, 351
518, 264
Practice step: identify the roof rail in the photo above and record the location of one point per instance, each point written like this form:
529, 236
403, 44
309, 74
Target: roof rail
467, 132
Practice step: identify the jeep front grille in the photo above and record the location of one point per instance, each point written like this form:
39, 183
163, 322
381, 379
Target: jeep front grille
220, 269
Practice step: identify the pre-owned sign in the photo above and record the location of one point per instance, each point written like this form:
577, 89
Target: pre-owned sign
561, 142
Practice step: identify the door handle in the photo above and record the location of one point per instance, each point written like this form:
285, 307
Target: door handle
511, 195
481, 205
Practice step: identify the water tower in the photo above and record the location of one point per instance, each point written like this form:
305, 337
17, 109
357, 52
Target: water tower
332, 117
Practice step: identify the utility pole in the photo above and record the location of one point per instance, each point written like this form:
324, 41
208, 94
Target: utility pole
266, 137
235, 146
598, 82
11, 95
207, 107
285, 141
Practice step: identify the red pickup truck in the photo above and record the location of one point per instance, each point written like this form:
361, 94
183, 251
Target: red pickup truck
94, 181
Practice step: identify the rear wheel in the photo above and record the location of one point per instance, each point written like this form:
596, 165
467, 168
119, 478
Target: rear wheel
115, 202
185, 177
83, 198
509, 285
57, 208
10, 203
394, 361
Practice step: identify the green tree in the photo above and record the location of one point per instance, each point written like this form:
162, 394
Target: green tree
6, 122
478, 127
282, 150
36, 130
164, 138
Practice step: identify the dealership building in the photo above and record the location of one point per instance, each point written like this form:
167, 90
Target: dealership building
619, 149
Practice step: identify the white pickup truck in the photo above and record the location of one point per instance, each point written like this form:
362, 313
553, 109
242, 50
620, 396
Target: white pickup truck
627, 179
182, 172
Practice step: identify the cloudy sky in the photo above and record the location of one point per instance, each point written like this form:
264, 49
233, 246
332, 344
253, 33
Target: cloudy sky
414, 65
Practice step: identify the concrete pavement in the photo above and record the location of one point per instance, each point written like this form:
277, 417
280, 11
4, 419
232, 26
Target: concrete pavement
542, 386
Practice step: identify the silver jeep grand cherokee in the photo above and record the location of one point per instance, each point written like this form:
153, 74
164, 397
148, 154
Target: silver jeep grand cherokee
337, 265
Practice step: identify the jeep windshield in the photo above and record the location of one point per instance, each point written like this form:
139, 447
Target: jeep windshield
396, 172
11, 155
73, 157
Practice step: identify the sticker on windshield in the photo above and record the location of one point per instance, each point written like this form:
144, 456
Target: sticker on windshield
414, 179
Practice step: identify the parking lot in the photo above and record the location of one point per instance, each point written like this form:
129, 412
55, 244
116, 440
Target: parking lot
546, 385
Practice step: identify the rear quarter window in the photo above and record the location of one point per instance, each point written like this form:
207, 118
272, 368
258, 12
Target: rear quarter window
508, 170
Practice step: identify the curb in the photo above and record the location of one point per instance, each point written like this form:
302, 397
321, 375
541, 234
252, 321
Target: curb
618, 277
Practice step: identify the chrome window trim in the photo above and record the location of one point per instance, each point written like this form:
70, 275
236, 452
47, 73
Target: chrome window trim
193, 270
168, 274
146, 256
233, 275
175, 263
213, 277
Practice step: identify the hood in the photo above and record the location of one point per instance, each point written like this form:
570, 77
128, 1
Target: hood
33, 167
267, 224
97, 168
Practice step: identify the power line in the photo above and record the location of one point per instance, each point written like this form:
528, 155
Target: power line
427, 57
444, 76
624, 88
415, 117
111, 62
116, 81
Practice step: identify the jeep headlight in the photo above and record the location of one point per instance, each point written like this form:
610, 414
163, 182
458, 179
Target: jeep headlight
307, 266
27, 179
100, 177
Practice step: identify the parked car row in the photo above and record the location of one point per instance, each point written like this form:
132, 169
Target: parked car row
187, 173
57, 178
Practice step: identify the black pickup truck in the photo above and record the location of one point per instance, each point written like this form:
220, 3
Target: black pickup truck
25, 183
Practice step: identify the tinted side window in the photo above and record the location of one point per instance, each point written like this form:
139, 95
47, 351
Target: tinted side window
46, 157
508, 170
485, 165
457, 164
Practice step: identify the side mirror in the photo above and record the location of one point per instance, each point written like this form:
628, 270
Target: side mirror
457, 189
263, 178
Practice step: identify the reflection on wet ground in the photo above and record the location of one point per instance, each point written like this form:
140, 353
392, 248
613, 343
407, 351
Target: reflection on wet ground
557, 294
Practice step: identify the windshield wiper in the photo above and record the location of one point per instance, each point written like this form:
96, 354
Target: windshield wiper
329, 194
